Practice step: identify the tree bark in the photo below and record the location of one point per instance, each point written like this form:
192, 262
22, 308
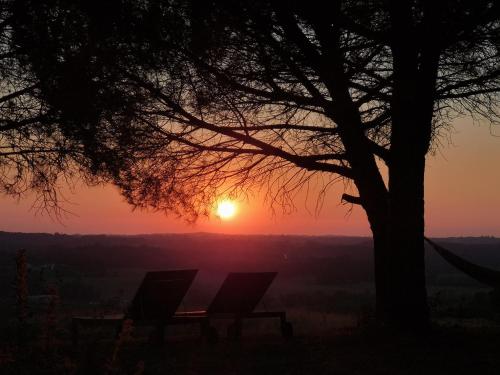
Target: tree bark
406, 263
382, 279
398, 240
397, 224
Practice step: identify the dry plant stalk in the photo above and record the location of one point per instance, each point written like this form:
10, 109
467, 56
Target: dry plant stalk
139, 369
22, 286
21, 294
50, 323
123, 337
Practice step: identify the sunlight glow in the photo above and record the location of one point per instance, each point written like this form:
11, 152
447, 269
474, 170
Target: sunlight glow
226, 209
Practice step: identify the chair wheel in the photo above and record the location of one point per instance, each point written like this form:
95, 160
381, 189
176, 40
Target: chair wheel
287, 330
234, 330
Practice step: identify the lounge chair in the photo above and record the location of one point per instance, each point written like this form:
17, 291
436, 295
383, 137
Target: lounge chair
155, 303
236, 299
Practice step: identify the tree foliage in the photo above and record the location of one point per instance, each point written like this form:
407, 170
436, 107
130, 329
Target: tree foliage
219, 96
44, 148
32, 152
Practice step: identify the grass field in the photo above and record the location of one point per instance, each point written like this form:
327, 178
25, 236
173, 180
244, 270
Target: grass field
332, 317
451, 350
334, 335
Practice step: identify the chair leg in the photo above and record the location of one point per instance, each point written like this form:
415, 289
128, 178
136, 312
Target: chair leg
209, 332
161, 334
74, 332
118, 330
286, 328
157, 336
235, 329
203, 328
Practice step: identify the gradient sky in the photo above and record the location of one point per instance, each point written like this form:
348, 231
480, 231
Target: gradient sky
462, 198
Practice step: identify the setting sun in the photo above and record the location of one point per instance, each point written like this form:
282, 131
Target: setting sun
226, 209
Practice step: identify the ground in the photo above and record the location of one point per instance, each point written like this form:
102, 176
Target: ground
363, 350
325, 290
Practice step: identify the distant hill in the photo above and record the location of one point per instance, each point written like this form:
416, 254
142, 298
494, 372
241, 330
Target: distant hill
327, 258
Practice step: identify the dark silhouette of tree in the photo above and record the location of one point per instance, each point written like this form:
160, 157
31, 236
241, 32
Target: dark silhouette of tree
206, 98
30, 157
35, 156
41, 149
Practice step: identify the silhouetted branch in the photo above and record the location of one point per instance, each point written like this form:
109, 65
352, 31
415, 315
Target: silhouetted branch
351, 199
240, 94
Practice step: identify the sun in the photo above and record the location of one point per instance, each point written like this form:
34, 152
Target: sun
226, 209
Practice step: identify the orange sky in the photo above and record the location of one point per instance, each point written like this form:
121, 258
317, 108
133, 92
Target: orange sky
462, 198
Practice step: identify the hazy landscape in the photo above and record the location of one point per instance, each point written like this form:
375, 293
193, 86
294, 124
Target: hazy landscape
325, 284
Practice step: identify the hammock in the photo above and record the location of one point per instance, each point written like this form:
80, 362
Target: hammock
482, 274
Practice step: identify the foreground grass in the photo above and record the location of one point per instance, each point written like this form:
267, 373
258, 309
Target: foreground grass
446, 351
333, 337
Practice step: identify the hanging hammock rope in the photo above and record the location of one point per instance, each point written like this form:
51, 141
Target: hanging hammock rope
484, 275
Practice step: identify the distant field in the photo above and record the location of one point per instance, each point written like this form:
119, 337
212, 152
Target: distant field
324, 284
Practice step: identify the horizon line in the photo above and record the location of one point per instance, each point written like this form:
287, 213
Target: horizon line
228, 234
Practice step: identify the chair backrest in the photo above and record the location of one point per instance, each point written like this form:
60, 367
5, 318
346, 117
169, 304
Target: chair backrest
160, 294
241, 292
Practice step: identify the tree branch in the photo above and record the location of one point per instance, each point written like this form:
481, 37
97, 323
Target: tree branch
351, 199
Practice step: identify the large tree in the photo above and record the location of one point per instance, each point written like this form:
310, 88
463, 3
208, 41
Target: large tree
216, 97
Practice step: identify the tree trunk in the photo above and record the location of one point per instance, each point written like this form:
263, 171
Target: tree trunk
382, 279
412, 105
401, 297
406, 265
398, 239
399, 251
397, 218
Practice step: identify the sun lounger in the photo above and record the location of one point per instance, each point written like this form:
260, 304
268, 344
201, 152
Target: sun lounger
236, 299
155, 303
